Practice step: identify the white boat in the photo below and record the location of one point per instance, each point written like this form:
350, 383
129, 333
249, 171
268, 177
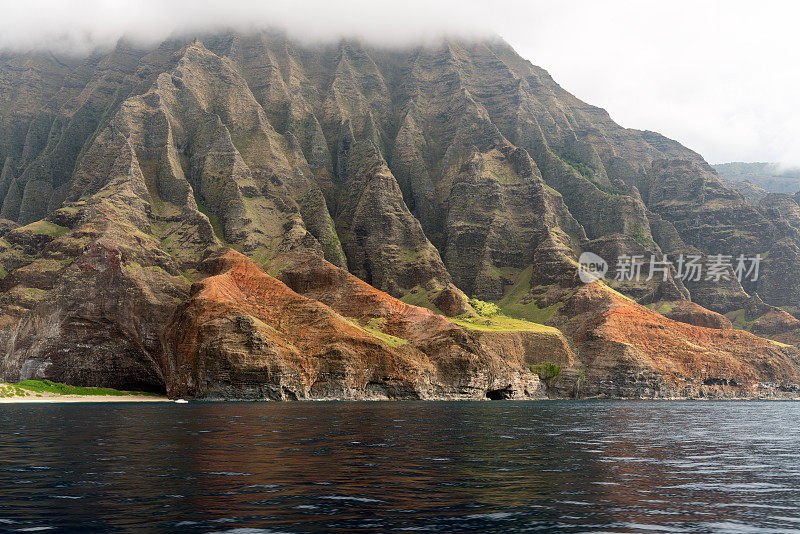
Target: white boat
181, 401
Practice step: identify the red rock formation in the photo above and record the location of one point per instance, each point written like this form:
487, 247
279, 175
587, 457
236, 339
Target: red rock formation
690, 313
245, 334
630, 350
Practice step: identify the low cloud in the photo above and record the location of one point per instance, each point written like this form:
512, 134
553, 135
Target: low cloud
79, 26
719, 76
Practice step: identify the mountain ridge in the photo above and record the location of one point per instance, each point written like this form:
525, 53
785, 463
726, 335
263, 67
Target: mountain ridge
432, 174
768, 176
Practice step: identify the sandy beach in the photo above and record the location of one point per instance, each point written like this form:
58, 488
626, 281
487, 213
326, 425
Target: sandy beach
84, 398
47, 391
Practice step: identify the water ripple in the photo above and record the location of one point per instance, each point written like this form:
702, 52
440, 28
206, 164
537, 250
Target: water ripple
411, 466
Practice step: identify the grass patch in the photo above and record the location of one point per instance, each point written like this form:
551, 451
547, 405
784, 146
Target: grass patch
501, 323
575, 243
392, 341
8, 391
588, 171
502, 273
530, 311
377, 323
47, 265
504, 177
420, 297
739, 321
409, 255
28, 388
373, 328
47, 228
33, 293
513, 302
661, 307
191, 275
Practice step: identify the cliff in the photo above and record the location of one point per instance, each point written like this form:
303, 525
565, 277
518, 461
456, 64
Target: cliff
245, 216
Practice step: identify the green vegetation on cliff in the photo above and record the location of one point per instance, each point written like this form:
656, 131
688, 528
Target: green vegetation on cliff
518, 302
547, 370
47, 228
374, 328
213, 219
40, 388
501, 323
739, 320
484, 309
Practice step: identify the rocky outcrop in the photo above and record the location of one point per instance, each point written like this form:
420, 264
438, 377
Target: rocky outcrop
690, 313
89, 296
748, 190
245, 334
632, 351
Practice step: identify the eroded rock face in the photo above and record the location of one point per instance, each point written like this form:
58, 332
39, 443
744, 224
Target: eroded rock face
632, 351
88, 302
245, 334
691, 313
248, 216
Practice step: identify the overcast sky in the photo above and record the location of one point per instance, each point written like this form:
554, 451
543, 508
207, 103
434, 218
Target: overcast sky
720, 76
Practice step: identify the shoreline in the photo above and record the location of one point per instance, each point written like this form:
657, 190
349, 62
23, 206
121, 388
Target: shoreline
75, 399
83, 398
45, 391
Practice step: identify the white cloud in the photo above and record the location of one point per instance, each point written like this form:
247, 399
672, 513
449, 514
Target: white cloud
720, 76
80, 25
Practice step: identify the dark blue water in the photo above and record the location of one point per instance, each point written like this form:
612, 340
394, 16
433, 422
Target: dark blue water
401, 466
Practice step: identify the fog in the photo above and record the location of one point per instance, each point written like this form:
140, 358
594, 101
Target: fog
80, 26
721, 77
